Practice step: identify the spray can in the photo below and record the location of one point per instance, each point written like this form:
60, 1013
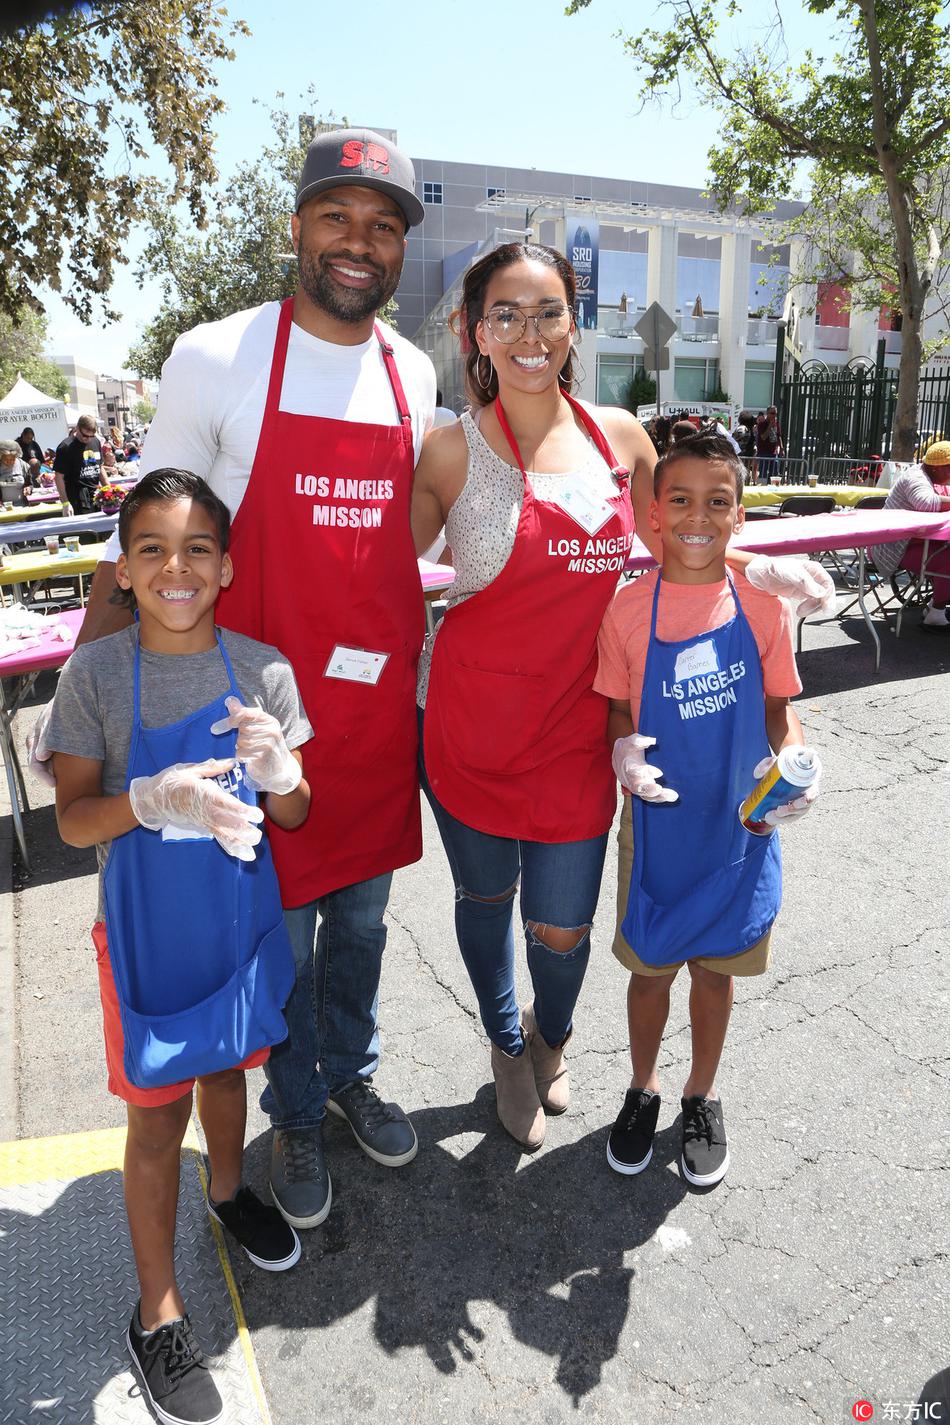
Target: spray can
795, 769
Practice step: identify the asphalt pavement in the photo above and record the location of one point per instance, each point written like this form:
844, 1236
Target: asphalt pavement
479, 1283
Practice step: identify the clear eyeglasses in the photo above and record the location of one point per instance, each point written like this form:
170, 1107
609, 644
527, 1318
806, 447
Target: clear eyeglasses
509, 324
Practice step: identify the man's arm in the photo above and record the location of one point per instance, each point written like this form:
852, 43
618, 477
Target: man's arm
102, 616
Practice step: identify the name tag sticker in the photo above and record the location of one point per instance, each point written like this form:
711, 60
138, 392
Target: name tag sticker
693, 662
356, 665
185, 833
589, 510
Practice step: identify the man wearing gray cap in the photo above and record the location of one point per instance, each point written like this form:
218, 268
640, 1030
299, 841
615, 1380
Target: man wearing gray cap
307, 418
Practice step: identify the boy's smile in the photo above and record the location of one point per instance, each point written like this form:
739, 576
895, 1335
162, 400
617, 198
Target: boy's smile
175, 567
695, 514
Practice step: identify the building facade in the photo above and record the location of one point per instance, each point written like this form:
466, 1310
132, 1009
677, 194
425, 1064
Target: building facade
82, 385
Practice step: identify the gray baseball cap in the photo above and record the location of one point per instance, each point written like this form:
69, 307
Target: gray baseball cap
362, 157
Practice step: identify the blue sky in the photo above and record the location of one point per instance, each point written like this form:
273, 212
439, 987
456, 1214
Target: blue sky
502, 81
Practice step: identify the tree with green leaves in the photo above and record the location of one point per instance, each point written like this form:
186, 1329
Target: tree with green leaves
143, 411
84, 98
871, 122
21, 354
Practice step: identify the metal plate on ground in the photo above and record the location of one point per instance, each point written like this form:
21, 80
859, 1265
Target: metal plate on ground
68, 1289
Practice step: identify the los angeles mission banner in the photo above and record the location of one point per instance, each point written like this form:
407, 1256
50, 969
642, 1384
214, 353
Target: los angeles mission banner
583, 251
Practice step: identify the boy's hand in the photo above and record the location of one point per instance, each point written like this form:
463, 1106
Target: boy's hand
188, 795
803, 582
261, 747
635, 774
791, 811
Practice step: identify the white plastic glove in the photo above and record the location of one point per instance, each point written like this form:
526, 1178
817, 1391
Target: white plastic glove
802, 581
39, 756
261, 747
187, 795
791, 811
635, 773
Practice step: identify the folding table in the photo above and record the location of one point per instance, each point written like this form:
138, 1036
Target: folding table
22, 666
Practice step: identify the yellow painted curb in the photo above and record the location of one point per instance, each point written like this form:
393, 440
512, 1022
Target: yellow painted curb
80, 1155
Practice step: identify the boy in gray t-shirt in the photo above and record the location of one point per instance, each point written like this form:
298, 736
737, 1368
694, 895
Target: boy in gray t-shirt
197, 951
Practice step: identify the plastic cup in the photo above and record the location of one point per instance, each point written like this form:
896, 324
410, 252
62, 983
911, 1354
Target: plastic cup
776, 479
8, 504
52, 544
72, 543
813, 481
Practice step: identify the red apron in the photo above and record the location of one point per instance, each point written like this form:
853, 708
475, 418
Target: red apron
515, 736
324, 558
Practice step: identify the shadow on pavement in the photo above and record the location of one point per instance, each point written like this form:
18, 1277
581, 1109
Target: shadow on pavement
545, 1244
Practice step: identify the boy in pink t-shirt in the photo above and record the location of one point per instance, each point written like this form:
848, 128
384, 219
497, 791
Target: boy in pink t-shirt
702, 665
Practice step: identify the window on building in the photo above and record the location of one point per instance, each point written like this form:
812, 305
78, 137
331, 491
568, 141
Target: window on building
694, 377
614, 374
494, 192
757, 391
432, 192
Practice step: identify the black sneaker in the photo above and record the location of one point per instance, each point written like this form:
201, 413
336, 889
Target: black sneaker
381, 1129
630, 1145
177, 1383
299, 1181
705, 1156
266, 1237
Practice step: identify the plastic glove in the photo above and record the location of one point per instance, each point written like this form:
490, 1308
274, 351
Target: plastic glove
40, 757
187, 795
634, 772
790, 811
803, 582
261, 747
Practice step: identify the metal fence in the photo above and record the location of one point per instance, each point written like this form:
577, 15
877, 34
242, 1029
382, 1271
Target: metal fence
846, 413
801, 469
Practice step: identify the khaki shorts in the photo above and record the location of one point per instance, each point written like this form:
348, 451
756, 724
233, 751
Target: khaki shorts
754, 961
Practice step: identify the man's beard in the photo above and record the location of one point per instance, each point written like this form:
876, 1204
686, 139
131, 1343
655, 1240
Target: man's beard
346, 304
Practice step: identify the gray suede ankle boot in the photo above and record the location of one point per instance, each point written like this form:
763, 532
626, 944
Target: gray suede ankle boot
550, 1070
519, 1107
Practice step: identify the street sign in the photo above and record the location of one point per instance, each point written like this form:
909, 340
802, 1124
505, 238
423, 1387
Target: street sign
656, 326
656, 360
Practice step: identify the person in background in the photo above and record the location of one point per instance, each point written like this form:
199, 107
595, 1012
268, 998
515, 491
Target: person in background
14, 473
443, 415
132, 452
768, 444
925, 488
76, 466
29, 448
682, 430
109, 467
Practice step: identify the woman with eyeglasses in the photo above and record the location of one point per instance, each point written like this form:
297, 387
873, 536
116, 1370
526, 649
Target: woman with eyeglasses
534, 491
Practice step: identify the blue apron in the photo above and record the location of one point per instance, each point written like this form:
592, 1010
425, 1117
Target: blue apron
701, 884
200, 954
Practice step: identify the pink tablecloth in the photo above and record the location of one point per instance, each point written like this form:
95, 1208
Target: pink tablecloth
50, 652
808, 534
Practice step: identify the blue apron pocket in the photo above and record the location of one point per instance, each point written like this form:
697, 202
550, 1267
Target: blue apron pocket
724, 914
219, 1032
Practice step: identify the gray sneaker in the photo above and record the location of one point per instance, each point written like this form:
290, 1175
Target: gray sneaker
381, 1129
299, 1180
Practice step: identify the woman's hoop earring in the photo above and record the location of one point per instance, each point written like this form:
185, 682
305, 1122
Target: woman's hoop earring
485, 385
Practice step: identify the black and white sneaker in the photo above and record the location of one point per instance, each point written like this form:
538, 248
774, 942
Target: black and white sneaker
267, 1238
630, 1145
705, 1157
177, 1383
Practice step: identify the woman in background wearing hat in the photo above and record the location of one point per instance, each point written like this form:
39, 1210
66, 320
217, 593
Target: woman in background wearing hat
14, 472
924, 488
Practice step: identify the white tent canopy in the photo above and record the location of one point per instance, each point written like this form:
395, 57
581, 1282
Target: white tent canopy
24, 405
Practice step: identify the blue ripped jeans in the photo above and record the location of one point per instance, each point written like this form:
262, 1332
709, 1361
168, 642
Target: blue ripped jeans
560, 884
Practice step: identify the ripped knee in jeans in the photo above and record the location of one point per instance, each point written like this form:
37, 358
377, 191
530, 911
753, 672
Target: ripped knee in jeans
461, 894
555, 937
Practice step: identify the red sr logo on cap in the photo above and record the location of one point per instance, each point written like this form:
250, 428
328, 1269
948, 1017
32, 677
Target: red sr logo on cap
356, 154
